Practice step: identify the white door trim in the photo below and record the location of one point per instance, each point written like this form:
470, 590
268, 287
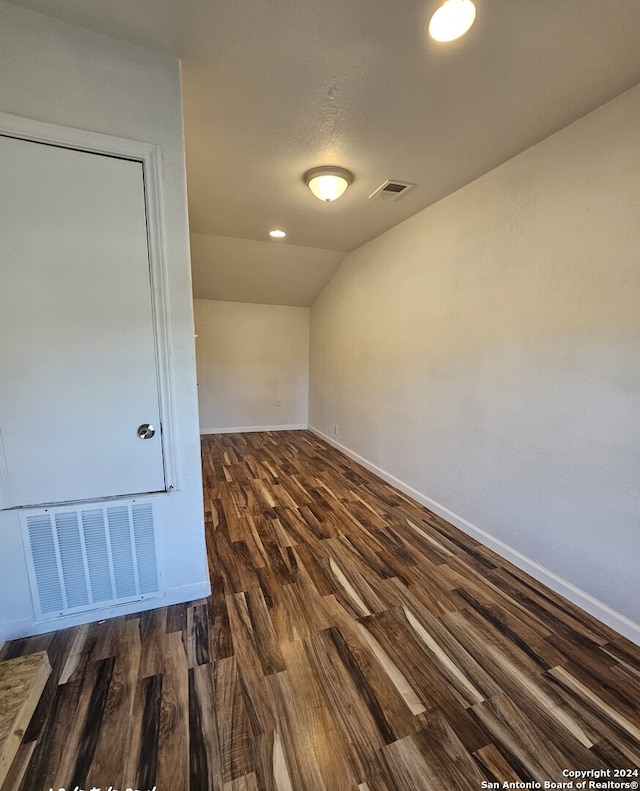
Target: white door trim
150, 156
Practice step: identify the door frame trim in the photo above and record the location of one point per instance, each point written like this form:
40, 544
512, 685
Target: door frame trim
150, 157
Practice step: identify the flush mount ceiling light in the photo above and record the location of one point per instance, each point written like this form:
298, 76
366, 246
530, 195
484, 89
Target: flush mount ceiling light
452, 20
328, 183
277, 234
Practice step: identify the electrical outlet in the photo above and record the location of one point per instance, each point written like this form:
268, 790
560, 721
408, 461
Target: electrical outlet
335, 430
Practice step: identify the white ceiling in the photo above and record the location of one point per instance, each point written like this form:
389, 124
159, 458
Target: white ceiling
275, 87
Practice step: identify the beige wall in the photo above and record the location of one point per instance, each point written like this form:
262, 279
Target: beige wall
253, 369
65, 75
486, 354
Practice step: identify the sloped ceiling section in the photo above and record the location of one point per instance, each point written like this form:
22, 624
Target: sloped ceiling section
272, 273
272, 89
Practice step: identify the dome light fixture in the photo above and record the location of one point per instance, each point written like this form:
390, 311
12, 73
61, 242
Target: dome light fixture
327, 182
277, 234
452, 20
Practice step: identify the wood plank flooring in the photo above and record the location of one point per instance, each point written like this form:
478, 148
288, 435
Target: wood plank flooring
353, 640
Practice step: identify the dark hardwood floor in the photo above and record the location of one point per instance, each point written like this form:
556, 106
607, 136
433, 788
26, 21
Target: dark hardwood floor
353, 640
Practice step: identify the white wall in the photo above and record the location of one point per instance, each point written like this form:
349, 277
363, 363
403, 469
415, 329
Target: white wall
486, 353
253, 369
62, 74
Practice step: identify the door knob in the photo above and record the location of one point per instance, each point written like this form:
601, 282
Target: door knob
146, 431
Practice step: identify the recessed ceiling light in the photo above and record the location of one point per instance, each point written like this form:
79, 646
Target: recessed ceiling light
452, 20
277, 234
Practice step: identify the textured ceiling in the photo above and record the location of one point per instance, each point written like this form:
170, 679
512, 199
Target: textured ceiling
273, 88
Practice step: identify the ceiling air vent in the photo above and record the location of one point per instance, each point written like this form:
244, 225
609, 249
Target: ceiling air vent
391, 190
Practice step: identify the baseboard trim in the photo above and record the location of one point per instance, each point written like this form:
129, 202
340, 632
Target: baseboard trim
247, 429
625, 626
28, 627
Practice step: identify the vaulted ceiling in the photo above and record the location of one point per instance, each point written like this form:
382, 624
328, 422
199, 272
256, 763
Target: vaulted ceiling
275, 87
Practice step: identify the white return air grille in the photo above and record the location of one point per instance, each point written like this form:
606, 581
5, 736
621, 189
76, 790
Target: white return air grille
82, 558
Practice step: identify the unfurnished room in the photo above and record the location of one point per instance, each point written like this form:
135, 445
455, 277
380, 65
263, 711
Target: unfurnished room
319, 395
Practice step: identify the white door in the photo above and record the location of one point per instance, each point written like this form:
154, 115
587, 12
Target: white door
77, 354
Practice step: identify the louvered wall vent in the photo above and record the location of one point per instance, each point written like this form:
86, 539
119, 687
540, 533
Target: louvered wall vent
391, 190
82, 558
